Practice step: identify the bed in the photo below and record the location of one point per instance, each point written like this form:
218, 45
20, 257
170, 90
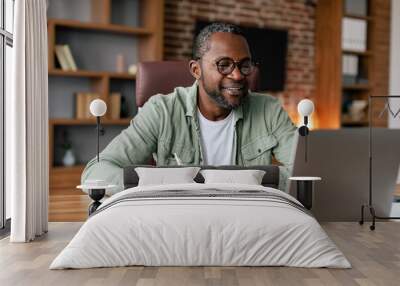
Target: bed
201, 224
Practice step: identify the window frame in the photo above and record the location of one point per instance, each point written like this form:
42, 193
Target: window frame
6, 39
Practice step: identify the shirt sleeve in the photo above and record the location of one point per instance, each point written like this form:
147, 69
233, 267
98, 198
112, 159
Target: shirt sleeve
284, 131
134, 145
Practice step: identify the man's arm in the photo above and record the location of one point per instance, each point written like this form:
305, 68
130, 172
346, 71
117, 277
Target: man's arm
134, 145
284, 131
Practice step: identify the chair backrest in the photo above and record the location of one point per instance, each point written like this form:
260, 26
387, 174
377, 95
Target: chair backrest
163, 76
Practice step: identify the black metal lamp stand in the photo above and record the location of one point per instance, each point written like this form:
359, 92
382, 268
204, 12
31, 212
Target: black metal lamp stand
304, 131
370, 205
96, 194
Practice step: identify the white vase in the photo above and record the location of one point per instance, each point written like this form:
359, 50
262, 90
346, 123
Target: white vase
69, 158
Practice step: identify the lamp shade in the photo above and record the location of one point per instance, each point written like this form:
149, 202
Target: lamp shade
305, 107
98, 107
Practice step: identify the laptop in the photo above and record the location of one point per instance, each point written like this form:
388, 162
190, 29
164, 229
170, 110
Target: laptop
341, 158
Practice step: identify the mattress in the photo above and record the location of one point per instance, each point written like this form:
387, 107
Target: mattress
201, 225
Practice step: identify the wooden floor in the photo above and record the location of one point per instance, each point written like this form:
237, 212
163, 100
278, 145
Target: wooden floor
375, 257
68, 205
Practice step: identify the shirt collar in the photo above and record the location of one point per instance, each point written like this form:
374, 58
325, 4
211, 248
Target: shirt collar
191, 106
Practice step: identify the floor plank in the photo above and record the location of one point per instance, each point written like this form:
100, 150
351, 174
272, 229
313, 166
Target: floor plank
67, 207
375, 257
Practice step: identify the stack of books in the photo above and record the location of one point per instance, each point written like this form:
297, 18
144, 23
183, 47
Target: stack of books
349, 69
354, 34
65, 58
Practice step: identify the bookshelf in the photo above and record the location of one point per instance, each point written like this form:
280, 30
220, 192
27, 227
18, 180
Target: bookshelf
347, 75
97, 32
356, 63
112, 28
93, 74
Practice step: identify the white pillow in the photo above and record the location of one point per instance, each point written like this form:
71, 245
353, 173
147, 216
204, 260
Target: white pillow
163, 176
248, 177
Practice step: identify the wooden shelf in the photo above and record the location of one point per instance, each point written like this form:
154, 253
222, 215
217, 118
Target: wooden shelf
93, 74
358, 53
360, 17
348, 121
63, 169
357, 87
68, 121
121, 29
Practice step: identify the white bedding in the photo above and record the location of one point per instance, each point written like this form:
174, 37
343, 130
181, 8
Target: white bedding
182, 231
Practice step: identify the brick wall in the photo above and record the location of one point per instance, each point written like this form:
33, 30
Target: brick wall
293, 15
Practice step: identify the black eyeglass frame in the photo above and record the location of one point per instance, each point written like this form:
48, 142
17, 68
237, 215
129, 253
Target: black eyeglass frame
233, 65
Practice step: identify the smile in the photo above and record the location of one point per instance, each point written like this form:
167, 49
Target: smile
233, 88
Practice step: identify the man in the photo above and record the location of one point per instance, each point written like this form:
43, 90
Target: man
217, 121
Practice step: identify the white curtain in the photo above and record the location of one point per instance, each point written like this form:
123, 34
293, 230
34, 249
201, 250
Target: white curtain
27, 123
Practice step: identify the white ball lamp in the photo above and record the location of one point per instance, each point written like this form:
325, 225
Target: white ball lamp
305, 109
98, 108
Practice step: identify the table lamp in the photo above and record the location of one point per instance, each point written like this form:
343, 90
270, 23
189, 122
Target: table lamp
305, 109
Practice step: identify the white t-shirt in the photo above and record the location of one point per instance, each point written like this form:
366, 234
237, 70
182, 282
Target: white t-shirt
217, 139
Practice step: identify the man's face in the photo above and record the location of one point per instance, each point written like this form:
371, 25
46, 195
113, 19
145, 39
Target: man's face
227, 91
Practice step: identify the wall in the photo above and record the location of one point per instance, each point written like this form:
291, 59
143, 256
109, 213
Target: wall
295, 16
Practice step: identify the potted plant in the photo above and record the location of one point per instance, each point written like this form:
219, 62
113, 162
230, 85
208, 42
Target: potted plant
69, 157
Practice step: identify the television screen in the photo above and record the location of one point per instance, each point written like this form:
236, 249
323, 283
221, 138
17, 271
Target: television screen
268, 47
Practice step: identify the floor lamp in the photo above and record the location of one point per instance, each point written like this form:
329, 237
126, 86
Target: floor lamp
96, 188
370, 205
305, 185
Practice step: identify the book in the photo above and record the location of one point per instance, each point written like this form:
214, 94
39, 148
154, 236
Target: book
349, 69
90, 96
61, 58
115, 100
80, 105
350, 65
354, 34
69, 57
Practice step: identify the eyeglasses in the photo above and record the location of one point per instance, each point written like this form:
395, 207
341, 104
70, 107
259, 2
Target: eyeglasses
225, 66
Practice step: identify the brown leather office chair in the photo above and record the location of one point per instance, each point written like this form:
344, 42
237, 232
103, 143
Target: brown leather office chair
163, 76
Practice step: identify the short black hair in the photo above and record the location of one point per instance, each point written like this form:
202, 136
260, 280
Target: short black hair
201, 41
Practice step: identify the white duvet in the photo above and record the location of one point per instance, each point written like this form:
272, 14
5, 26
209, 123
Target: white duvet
185, 231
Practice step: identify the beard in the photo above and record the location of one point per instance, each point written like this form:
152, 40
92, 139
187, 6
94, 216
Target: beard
216, 95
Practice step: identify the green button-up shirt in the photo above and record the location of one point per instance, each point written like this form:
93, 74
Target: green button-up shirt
168, 124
